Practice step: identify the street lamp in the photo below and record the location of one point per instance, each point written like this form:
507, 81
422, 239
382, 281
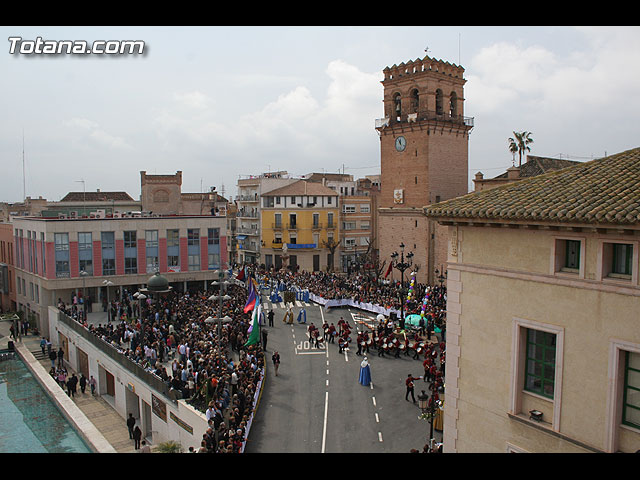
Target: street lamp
83, 274
108, 283
402, 265
220, 283
428, 407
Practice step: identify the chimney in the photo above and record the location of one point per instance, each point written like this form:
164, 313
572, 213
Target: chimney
513, 173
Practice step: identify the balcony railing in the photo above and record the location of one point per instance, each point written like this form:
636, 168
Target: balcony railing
151, 379
425, 115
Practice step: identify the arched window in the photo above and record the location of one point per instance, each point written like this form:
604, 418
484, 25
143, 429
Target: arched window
439, 109
415, 100
161, 196
453, 105
397, 106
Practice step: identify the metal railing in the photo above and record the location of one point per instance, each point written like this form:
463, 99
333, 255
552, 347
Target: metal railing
125, 362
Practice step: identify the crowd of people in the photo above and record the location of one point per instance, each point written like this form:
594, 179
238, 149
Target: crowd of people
209, 367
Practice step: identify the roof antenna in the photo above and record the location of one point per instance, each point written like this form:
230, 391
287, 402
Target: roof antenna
24, 184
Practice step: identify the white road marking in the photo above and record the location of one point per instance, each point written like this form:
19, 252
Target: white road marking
326, 412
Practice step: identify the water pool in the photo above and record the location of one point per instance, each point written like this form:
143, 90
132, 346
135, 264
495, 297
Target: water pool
29, 421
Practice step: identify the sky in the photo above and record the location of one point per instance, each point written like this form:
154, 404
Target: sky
221, 102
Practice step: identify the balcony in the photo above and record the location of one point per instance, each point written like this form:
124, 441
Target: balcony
247, 231
292, 226
245, 214
425, 115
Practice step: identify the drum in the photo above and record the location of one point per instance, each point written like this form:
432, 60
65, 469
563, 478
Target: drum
369, 342
402, 346
385, 346
363, 343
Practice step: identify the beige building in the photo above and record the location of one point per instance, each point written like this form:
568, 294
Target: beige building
543, 311
163, 194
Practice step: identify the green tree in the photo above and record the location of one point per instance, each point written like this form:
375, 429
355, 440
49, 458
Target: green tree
520, 144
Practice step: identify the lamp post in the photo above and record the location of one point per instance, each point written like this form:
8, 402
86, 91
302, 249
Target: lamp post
108, 283
220, 283
83, 274
428, 407
402, 265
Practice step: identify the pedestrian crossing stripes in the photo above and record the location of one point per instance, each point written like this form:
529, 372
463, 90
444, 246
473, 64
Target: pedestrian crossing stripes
283, 305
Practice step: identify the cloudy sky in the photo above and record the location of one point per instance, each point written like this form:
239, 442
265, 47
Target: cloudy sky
222, 102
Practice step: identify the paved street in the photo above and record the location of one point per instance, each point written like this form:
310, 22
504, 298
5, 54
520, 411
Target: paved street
316, 405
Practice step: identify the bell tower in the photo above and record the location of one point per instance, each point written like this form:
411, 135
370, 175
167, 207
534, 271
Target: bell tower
424, 139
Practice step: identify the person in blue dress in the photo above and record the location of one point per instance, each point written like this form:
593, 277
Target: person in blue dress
365, 373
302, 316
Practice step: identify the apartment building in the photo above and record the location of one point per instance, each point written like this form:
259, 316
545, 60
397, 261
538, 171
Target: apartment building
300, 227
58, 257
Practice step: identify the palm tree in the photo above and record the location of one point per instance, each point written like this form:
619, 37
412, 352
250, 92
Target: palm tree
520, 144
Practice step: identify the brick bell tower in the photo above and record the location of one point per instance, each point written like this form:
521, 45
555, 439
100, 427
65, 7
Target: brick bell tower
424, 139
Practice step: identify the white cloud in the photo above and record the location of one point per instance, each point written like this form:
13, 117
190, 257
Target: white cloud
196, 100
88, 134
295, 123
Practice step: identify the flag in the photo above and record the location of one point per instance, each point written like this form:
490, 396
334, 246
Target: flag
254, 329
240, 275
388, 270
252, 299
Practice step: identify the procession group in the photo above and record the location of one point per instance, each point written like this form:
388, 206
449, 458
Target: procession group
218, 368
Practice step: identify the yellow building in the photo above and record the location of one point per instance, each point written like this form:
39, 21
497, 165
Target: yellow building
300, 227
543, 305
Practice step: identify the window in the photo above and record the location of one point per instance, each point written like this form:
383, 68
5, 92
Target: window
348, 225
151, 245
193, 236
349, 242
173, 238
44, 260
277, 200
173, 263
214, 260
267, 202
131, 265
365, 209
213, 236
61, 241
278, 219
85, 252
540, 363
194, 262
108, 253
316, 220
330, 219
151, 238
348, 209
86, 266
130, 239
572, 254
622, 257
631, 396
